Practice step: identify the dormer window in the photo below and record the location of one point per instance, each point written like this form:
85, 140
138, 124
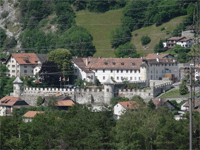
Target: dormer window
114, 63
122, 63
105, 63
133, 64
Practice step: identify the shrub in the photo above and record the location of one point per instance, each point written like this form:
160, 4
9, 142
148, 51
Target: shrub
42, 23
15, 5
96, 81
40, 101
167, 32
136, 34
54, 20
163, 28
4, 14
145, 40
10, 43
183, 89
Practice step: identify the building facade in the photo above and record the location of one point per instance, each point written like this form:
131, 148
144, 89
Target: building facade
182, 41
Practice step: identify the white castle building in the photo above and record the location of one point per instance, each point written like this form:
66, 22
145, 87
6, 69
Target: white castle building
152, 67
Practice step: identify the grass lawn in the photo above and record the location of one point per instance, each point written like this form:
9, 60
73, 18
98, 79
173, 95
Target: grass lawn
174, 94
100, 24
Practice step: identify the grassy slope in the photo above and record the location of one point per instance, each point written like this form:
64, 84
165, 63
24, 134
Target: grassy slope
93, 23
100, 32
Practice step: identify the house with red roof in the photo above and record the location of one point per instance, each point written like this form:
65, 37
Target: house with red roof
21, 64
27, 117
121, 107
182, 41
8, 103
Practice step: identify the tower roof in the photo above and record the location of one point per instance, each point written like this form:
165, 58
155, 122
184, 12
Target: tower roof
18, 80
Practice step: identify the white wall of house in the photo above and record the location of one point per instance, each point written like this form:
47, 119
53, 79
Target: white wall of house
118, 110
2, 111
79, 72
183, 107
105, 74
27, 120
158, 71
185, 43
13, 67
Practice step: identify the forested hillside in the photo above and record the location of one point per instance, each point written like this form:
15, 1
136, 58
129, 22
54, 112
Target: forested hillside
86, 28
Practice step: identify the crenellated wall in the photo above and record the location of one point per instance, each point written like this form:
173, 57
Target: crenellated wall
88, 96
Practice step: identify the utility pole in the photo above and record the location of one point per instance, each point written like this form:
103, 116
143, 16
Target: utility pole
190, 108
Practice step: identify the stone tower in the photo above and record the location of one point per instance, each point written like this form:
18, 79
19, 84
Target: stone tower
17, 85
108, 90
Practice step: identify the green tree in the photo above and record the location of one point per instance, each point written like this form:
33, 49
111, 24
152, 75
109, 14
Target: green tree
10, 43
120, 36
62, 58
145, 40
159, 47
79, 82
97, 6
96, 81
183, 89
2, 37
79, 41
115, 100
66, 16
40, 100
126, 50
151, 104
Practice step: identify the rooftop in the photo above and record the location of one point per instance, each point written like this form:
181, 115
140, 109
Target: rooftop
12, 101
25, 58
129, 104
32, 114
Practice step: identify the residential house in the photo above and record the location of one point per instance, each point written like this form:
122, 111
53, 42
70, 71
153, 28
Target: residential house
27, 117
121, 107
182, 41
21, 64
42, 58
8, 103
159, 103
64, 104
185, 106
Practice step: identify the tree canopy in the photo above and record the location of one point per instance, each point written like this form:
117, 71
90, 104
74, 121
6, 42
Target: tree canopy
126, 50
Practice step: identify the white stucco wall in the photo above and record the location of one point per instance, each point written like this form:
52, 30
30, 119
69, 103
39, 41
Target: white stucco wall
2, 110
118, 110
185, 43
13, 67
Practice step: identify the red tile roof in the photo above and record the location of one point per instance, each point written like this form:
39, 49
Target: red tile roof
160, 102
176, 38
129, 104
65, 103
113, 63
25, 58
11, 101
154, 56
31, 114
196, 103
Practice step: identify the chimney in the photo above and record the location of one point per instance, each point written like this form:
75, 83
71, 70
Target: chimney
157, 54
86, 61
99, 57
129, 56
160, 99
157, 59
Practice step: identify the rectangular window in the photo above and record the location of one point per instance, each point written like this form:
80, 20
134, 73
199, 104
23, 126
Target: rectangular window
103, 77
121, 71
156, 71
91, 77
126, 71
25, 66
117, 78
135, 71
17, 66
121, 78
96, 70
75, 70
25, 71
13, 70
8, 66
13, 66
130, 78
111, 71
117, 71
17, 71
32, 71
138, 71
130, 71
103, 70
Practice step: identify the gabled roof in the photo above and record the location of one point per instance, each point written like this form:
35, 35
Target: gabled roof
31, 114
157, 55
161, 102
25, 58
176, 38
128, 104
113, 63
42, 57
65, 103
196, 102
185, 39
12, 101
79, 62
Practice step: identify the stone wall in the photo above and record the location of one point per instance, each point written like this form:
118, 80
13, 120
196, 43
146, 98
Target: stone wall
93, 96
158, 82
